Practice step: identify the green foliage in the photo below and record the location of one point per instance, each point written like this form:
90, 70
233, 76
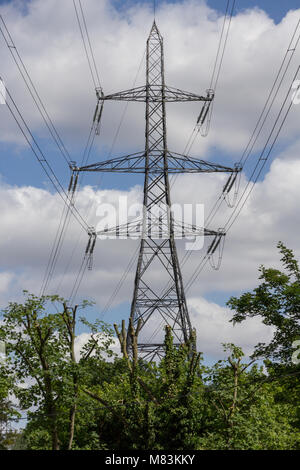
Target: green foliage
277, 302
244, 410
8, 411
41, 367
102, 401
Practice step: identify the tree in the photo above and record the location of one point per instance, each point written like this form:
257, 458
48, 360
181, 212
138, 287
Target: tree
148, 405
243, 411
41, 361
100, 401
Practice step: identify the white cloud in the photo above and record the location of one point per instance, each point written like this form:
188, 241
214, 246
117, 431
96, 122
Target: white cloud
5, 280
83, 338
213, 329
30, 217
213, 326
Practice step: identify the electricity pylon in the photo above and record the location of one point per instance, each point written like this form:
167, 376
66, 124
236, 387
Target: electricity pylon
157, 260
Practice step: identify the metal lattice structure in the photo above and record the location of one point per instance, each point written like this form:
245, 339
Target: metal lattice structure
157, 261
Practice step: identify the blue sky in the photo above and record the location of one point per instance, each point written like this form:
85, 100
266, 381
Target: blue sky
244, 84
276, 9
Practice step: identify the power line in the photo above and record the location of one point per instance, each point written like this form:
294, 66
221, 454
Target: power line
88, 147
89, 42
65, 217
55, 249
263, 158
34, 94
262, 119
90, 141
54, 180
215, 73
33, 91
87, 153
291, 48
41, 157
233, 217
87, 45
120, 283
85, 158
78, 279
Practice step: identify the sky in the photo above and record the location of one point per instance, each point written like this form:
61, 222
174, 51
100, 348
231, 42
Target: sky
48, 39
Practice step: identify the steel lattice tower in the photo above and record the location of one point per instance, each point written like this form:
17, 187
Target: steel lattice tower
172, 306
157, 253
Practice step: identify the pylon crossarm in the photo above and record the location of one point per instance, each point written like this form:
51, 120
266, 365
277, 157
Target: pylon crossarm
128, 230
153, 93
174, 94
177, 163
188, 230
185, 164
156, 228
133, 163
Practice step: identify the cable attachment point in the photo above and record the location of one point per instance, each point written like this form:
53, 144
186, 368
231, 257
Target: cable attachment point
98, 111
73, 180
217, 243
234, 180
205, 114
90, 247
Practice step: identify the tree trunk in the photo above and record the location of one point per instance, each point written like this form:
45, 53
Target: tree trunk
72, 425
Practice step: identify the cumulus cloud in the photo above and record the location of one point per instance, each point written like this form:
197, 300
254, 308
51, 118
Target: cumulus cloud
83, 338
213, 326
